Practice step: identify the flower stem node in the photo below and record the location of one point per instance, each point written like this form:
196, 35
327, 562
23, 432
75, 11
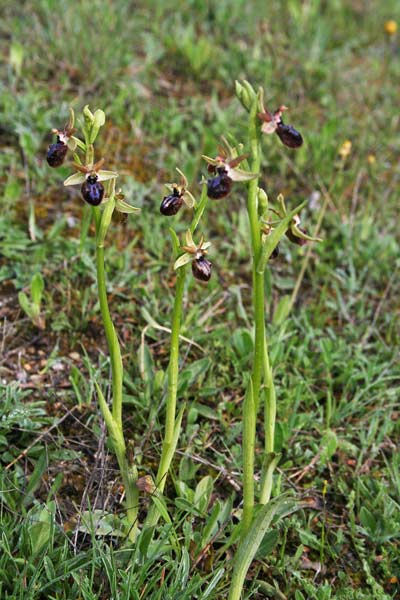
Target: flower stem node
172, 203
201, 267
273, 123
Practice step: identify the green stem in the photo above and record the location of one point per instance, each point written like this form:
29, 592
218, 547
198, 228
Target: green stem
171, 423
258, 304
173, 370
111, 336
114, 418
129, 478
249, 434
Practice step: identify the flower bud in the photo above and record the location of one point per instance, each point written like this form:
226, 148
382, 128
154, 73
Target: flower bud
201, 268
244, 95
56, 153
219, 186
92, 190
262, 201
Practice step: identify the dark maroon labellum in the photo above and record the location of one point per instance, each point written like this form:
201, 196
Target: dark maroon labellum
171, 204
219, 186
92, 190
201, 269
275, 253
289, 135
56, 153
296, 240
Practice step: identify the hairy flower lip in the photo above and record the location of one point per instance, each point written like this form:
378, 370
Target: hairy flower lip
56, 153
219, 186
201, 269
273, 123
92, 190
172, 203
289, 136
181, 190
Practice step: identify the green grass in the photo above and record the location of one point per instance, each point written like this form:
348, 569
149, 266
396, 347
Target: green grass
164, 75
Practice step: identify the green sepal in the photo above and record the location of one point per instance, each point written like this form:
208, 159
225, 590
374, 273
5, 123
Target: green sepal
78, 143
183, 260
104, 175
124, 207
72, 144
75, 179
242, 175
304, 236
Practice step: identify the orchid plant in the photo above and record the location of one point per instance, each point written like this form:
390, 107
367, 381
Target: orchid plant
98, 190
268, 225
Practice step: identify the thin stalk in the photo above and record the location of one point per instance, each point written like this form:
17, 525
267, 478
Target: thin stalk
171, 423
259, 343
114, 418
111, 336
249, 435
173, 371
129, 478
